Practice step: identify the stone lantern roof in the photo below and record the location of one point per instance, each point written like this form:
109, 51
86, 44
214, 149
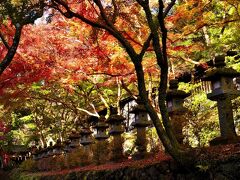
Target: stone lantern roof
58, 144
221, 78
74, 135
115, 122
142, 120
92, 120
220, 69
141, 123
115, 118
85, 131
139, 107
173, 91
101, 124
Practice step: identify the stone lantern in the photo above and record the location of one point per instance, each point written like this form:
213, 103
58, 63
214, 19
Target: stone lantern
101, 127
57, 148
116, 129
86, 137
175, 99
67, 147
74, 139
39, 153
34, 152
140, 123
223, 91
44, 152
86, 141
50, 149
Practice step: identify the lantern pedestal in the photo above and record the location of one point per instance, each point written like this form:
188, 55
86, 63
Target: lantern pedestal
117, 148
223, 91
116, 129
178, 119
86, 141
227, 128
101, 153
141, 144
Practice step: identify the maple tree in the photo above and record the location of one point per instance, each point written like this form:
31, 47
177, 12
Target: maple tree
14, 16
108, 17
102, 16
98, 50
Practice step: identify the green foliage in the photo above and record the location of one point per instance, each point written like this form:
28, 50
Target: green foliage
202, 125
129, 143
28, 165
154, 145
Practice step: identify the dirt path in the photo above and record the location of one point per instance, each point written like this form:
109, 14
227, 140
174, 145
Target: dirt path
4, 175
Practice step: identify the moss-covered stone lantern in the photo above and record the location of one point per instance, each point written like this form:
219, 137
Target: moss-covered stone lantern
223, 91
86, 136
175, 99
115, 122
74, 139
101, 129
140, 123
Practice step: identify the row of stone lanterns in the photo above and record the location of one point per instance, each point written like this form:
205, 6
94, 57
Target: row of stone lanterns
115, 125
222, 91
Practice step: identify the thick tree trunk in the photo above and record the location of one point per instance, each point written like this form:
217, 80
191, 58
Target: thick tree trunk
11, 50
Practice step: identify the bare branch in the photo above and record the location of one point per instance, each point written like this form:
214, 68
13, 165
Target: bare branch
88, 112
128, 90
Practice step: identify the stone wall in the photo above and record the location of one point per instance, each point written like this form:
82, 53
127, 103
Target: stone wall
165, 170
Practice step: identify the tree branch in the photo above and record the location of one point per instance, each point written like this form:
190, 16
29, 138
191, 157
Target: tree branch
145, 46
108, 27
12, 50
168, 8
4, 41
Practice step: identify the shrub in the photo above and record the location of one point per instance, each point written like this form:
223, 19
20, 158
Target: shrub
28, 165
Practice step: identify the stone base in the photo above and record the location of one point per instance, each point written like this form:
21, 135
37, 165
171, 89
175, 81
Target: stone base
223, 140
